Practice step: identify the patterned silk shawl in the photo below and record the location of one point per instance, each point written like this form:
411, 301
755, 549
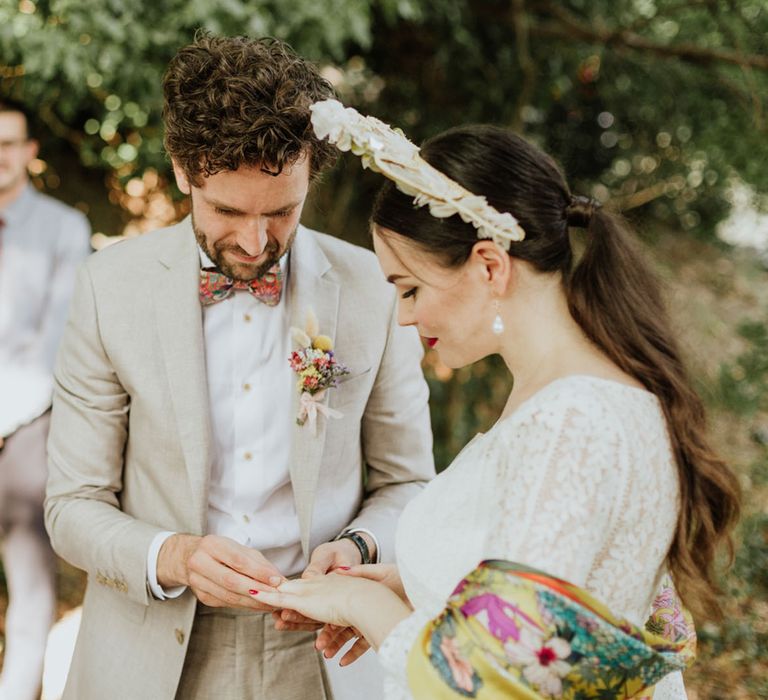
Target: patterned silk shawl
509, 631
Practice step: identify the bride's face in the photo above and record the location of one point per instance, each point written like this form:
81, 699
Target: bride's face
451, 307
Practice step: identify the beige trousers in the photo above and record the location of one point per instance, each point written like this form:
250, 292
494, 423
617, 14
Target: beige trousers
238, 655
28, 560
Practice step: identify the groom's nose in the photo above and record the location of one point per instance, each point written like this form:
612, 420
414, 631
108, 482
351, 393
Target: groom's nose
253, 236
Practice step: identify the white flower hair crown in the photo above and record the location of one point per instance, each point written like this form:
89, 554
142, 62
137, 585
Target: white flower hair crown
386, 150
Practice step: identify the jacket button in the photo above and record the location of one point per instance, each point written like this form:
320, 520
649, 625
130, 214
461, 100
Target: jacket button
179, 635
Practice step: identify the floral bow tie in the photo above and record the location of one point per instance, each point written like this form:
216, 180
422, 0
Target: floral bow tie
215, 286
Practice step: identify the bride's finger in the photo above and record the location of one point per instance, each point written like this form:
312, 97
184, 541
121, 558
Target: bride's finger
370, 571
277, 599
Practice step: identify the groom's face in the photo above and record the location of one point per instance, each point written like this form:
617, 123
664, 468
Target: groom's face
245, 220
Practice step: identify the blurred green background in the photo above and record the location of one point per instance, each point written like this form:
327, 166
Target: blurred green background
659, 106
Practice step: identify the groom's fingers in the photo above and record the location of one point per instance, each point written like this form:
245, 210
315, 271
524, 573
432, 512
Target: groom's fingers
332, 638
321, 561
292, 621
331, 556
210, 593
355, 652
203, 567
249, 562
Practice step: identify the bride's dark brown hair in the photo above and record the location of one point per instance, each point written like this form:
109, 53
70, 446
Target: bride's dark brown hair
614, 297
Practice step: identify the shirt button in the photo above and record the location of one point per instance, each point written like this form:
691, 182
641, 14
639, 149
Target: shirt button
247, 318
246, 519
247, 456
179, 635
246, 387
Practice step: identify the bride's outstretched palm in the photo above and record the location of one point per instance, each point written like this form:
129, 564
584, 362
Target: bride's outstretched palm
322, 598
331, 638
362, 602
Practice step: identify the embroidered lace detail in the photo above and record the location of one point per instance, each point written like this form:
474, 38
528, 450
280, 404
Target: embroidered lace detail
579, 482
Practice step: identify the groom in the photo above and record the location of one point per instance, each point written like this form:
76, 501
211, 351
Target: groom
180, 478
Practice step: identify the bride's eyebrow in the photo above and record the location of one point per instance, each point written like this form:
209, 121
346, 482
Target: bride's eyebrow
393, 278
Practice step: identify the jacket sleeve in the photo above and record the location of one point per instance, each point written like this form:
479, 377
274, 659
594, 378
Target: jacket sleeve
87, 440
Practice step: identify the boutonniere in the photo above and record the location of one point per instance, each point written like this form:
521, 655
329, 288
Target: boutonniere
318, 369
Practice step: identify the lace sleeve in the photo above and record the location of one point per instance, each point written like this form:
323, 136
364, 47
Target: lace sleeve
393, 654
670, 687
560, 479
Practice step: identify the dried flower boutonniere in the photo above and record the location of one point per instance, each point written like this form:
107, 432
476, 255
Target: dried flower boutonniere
318, 370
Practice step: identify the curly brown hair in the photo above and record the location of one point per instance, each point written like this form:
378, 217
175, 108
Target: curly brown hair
238, 101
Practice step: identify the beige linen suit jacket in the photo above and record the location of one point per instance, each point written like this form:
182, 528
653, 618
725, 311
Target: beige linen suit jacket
130, 438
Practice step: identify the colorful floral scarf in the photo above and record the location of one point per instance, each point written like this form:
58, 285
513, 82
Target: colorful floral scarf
509, 631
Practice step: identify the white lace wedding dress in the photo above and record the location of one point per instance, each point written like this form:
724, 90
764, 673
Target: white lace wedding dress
578, 482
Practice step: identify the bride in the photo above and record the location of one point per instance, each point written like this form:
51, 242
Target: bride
598, 472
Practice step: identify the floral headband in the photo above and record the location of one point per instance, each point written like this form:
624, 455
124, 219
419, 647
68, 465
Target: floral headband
389, 152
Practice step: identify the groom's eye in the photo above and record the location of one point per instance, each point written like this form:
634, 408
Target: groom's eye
410, 293
225, 212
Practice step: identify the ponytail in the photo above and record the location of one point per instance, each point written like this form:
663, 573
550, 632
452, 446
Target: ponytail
616, 299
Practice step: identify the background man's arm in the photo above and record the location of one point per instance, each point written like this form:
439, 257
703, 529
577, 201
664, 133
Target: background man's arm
73, 245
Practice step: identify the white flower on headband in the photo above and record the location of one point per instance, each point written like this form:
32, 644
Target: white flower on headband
389, 152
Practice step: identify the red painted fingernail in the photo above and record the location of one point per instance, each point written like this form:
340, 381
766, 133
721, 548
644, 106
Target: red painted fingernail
345, 568
253, 592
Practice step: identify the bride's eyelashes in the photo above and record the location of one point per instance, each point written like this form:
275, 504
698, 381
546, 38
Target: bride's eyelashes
411, 293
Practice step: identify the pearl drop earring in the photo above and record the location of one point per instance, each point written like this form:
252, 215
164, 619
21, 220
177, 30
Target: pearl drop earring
498, 322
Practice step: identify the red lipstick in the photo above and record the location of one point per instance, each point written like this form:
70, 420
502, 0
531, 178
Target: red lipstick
431, 342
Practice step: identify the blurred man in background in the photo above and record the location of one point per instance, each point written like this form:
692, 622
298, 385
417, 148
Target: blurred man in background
42, 241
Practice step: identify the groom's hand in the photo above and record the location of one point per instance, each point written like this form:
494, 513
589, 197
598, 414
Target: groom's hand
220, 571
337, 554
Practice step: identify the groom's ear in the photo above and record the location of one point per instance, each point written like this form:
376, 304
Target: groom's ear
182, 181
493, 263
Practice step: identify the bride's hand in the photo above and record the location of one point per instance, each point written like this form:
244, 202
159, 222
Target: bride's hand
386, 574
323, 598
344, 601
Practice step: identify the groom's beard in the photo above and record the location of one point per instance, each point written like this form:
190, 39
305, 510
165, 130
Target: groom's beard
241, 271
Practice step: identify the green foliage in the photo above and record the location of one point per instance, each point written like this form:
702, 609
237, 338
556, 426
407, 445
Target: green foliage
638, 99
656, 103
465, 403
751, 566
743, 386
93, 69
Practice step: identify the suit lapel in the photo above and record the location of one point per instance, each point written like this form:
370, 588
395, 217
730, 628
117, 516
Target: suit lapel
309, 287
180, 329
